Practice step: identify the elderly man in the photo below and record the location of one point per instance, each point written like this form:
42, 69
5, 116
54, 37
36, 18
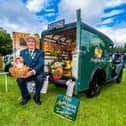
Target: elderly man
33, 58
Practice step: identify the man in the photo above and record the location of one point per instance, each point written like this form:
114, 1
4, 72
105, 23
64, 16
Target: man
34, 58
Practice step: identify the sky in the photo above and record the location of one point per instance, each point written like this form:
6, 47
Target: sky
32, 16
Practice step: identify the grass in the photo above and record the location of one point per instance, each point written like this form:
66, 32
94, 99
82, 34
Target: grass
107, 109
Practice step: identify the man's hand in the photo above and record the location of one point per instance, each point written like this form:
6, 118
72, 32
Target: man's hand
29, 74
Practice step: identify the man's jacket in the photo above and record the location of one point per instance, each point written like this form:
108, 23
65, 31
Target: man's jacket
35, 62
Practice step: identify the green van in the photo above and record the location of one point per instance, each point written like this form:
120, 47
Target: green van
89, 51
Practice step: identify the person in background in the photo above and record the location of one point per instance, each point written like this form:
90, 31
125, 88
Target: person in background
33, 58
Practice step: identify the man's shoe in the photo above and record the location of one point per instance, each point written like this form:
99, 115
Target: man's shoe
25, 100
37, 100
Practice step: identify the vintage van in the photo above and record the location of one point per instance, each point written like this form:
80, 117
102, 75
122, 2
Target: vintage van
81, 53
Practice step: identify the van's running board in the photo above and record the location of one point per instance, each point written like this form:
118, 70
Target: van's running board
113, 79
60, 82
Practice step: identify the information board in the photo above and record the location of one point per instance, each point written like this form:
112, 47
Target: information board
67, 106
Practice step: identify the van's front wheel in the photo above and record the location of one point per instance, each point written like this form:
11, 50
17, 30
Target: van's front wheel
94, 89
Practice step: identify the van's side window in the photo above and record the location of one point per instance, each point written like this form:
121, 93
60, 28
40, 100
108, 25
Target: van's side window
89, 39
85, 38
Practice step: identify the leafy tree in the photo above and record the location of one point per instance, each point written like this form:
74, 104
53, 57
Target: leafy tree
120, 49
5, 43
124, 49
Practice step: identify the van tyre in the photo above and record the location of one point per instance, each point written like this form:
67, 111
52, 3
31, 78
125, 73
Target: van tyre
119, 78
94, 90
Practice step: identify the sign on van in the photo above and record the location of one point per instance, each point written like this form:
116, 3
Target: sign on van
67, 106
56, 25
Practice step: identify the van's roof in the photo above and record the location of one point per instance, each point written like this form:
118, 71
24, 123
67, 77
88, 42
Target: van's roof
73, 26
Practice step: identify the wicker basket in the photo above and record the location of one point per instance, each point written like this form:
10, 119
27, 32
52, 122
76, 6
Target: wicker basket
17, 72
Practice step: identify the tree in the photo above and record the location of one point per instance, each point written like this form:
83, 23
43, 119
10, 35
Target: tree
5, 43
120, 49
124, 49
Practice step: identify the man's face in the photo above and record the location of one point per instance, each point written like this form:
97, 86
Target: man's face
31, 43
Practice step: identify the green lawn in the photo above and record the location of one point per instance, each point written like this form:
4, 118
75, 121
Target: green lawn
107, 109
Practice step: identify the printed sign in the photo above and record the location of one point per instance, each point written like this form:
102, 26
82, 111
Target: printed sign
67, 106
19, 42
56, 25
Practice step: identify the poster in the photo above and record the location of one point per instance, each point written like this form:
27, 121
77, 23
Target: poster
67, 106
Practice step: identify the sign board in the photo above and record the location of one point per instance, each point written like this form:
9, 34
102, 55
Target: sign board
56, 25
67, 106
19, 41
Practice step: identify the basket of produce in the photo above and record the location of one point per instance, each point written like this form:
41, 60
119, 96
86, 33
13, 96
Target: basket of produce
19, 72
